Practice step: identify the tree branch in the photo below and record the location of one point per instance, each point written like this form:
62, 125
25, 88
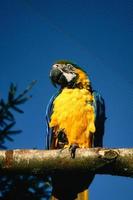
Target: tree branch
117, 162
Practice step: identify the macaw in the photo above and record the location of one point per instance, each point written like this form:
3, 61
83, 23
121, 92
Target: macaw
75, 118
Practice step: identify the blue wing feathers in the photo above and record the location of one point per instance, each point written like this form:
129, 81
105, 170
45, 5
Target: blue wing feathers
99, 107
49, 111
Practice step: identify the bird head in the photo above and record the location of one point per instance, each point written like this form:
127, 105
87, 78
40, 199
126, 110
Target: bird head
67, 74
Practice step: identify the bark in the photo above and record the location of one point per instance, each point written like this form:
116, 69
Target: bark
117, 162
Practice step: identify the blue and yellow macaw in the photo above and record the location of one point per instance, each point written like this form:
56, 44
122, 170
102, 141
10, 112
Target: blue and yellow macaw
75, 118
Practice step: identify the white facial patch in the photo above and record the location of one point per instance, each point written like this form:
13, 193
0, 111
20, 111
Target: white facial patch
69, 76
66, 71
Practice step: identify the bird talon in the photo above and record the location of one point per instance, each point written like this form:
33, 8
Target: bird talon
72, 149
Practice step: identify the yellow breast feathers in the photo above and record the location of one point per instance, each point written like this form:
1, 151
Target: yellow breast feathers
74, 114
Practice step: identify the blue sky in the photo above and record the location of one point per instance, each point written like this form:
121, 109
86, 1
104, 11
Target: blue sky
97, 35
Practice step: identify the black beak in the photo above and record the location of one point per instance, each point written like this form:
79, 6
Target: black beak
57, 77
55, 74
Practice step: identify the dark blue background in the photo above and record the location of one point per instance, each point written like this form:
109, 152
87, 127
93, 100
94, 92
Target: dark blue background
97, 35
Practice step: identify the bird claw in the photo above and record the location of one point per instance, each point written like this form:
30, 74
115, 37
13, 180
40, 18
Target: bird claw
72, 149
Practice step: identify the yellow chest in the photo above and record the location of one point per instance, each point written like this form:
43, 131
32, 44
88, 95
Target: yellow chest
73, 113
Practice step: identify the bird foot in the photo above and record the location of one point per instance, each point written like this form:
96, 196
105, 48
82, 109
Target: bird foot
72, 149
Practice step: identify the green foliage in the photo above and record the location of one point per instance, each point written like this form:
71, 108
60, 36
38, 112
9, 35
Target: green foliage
7, 108
18, 187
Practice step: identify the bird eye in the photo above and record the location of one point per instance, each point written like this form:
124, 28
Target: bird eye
70, 66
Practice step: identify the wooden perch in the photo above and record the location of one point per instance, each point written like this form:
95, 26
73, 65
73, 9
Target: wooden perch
117, 162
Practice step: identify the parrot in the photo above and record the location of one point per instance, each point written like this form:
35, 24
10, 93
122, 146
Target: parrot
75, 118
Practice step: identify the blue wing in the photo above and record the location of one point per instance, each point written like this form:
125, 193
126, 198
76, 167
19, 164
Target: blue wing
99, 107
49, 111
